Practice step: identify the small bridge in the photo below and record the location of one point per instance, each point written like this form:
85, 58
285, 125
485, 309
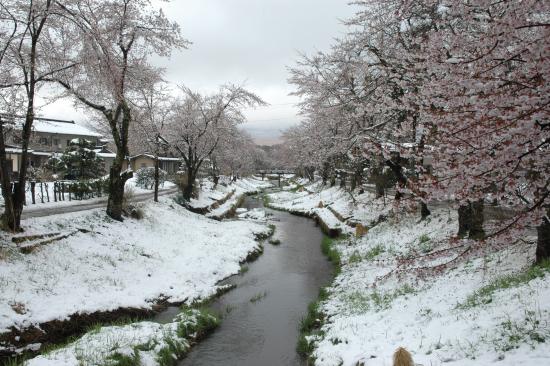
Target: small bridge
278, 172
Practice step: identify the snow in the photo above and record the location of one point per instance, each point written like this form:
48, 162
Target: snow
64, 128
380, 301
256, 214
171, 253
328, 218
210, 196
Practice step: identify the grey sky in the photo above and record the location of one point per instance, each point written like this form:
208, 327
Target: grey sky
252, 42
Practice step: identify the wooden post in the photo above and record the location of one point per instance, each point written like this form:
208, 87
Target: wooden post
33, 191
47, 191
55, 191
279, 180
41, 192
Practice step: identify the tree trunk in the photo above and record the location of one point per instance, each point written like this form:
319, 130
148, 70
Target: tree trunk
117, 181
357, 179
464, 220
476, 230
188, 190
543, 239
470, 220
18, 200
7, 218
157, 168
424, 211
343, 177
325, 173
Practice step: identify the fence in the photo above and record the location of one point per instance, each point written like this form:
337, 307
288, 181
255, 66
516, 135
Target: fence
58, 191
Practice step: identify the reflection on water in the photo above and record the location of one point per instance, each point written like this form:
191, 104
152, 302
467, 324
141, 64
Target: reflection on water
265, 332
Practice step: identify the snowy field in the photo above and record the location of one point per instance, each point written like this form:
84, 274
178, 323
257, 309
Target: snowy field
492, 308
170, 254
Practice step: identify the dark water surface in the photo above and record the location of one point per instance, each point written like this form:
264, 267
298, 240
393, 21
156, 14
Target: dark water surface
265, 332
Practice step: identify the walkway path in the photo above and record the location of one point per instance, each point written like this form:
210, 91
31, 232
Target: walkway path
84, 206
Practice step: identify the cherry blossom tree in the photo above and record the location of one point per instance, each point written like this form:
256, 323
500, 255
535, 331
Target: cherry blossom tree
488, 107
25, 68
154, 109
236, 154
463, 84
111, 41
201, 122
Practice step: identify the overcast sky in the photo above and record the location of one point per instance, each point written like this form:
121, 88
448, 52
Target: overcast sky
247, 41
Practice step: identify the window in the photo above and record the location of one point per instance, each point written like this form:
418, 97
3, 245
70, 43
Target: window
56, 142
44, 141
68, 142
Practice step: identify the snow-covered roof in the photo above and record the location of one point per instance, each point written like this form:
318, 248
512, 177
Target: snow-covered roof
41, 153
106, 155
62, 128
162, 158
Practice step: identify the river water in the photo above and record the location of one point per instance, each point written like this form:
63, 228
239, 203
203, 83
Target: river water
283, 281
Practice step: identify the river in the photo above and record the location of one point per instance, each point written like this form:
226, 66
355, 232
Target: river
261, 316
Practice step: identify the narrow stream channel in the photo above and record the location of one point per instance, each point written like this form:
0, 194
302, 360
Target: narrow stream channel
265, 332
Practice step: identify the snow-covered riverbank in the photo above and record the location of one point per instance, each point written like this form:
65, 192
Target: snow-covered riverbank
171, 255
399, 287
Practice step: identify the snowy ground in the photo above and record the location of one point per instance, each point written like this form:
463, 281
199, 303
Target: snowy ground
337, 208
210, 195
171, 254
486, 309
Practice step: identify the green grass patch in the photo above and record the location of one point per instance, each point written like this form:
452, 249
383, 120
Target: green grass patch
118, 359
485, 294
266, 200
311, 324
532, 330
327, 247
374, 252
361, 302
425, 243
355, 257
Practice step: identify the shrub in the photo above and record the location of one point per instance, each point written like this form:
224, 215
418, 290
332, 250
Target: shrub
145, 177
78, 161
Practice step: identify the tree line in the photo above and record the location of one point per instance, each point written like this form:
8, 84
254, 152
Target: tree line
98, 52
445, 100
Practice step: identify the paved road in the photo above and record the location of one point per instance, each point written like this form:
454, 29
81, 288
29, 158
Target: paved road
47, 211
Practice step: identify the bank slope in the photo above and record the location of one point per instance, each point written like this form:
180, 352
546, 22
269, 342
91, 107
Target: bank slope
171, 255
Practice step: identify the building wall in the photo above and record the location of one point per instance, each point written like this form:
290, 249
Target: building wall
42, 141
142, 162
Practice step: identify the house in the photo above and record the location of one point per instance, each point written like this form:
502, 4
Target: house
49, 136
52, 136
168, 164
